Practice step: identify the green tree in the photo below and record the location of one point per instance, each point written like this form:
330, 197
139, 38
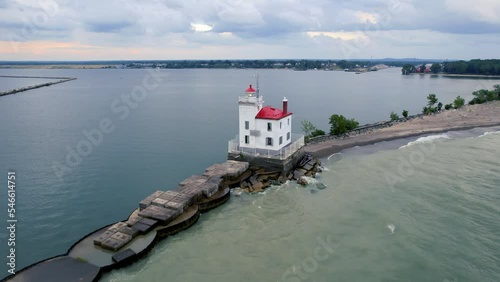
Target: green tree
340, 124
496, 89
432, 100
436, 68
317, 132
429, 110
308, 127
405, 113
448, 106
459, 102
439, 106
394, 116
407, 69
310, 130
480, 96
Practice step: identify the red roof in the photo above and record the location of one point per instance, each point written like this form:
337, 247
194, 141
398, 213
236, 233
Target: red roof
250, 89
272, 113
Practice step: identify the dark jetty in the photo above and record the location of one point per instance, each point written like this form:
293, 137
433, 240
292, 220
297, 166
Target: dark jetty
22, 89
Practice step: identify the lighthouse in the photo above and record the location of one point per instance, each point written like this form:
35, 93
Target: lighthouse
263, 127
265, 135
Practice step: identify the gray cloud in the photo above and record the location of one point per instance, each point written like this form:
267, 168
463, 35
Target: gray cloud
138, 23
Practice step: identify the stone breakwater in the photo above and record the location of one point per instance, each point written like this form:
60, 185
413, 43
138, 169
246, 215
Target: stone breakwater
22, 89
161, 214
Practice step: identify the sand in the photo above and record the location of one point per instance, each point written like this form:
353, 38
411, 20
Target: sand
483, 115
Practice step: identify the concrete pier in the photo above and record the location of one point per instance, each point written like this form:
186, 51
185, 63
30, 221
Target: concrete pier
158, 216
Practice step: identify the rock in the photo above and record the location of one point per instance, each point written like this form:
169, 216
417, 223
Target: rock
313, 191
302, 181
246, 190
308, 166
258, 186
298, 174
320, 186
244, 185
274, 182
282, 179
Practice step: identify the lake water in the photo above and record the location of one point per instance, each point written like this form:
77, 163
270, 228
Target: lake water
443, 215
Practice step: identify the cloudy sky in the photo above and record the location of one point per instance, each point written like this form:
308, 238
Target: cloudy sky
248, 29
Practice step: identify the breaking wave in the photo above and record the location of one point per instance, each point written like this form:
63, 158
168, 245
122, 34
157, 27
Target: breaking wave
490, 133
426, 139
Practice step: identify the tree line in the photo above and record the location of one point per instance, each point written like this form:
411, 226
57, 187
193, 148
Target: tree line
473, 67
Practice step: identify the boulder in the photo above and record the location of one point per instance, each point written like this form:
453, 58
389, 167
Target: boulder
320, 186
244, 185
298, 174
302, 181
258, 187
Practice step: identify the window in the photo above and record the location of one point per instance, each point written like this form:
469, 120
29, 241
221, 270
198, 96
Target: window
288, 121
281, 140
288, 136
269, 141
269, 126
247, 139
280, 124
247, 125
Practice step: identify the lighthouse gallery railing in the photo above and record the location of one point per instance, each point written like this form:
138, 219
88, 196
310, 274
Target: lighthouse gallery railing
297, 143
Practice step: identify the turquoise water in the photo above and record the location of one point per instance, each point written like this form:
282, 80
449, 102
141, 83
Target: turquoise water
182, 127
438, 223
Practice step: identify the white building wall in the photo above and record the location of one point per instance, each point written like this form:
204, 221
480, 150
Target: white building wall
275, 133
247, 112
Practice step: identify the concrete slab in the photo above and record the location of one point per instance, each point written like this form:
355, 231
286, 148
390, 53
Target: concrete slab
142, 228
117, 226
194, 179
149, 221
159, 202
169, 195
113, 244
134, 218
163, 215
123, 255
129, 231
64, 268
122, 237
104, 235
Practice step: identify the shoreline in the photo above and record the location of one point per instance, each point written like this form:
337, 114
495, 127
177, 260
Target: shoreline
484, 115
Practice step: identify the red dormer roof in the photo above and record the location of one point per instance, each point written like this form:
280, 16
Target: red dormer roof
250, 89
272, 113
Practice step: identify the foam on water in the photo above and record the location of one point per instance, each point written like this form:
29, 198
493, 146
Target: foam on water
427, 139
391, 227
490, 133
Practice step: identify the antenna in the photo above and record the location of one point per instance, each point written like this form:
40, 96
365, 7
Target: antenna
257, 84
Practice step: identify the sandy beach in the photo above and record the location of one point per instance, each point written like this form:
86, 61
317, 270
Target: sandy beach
483, 115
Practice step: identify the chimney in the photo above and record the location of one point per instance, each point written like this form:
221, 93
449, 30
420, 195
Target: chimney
285, 105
